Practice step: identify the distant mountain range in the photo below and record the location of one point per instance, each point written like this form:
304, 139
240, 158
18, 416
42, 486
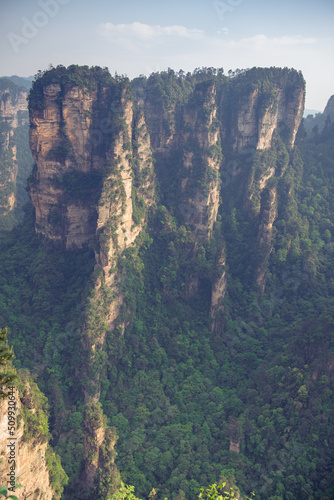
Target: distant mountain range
21, 81
311, 112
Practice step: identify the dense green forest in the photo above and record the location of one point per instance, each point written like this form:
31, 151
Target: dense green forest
175, 389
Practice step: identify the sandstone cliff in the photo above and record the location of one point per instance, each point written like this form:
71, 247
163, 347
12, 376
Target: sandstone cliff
202, 156
92, 184
60, 144
26, 443
83, 188
13, 112
83, 179
259, 115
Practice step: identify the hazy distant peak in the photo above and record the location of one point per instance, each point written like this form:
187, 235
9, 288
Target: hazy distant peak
21, 81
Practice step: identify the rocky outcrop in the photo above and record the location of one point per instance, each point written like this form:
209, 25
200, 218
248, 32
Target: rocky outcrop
188, 135
13, 104
120, 195
60, 141
199, 200
99, 443
23, 451
265, 236
13, 112
252, 125
234, 435
161, 124
257, 116
83, 180
219, 288
92, 184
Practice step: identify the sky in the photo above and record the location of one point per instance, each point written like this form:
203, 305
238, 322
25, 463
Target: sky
134, 37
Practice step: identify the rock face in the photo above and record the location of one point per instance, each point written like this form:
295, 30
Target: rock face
251, 126
30, 468
75, 143
118, 196
265, 235
13, 112
268, 104
255, 124
218, 290
234, 434
83, 179
60, 144
92, 184
12, 101
200, 198
99, 443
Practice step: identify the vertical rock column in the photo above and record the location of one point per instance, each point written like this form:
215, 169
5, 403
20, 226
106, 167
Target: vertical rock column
12, 102
61, 146
201, 162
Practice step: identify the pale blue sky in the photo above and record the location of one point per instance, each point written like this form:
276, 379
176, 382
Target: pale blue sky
138, 37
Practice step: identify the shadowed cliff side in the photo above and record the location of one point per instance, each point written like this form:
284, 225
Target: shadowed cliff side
219, 142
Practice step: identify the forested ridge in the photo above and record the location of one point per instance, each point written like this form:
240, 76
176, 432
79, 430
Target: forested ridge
244, 395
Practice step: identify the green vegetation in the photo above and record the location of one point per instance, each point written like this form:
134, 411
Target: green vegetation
93, 78
125, 493
213, 492
4, 493
80, 185
58, 477
179, 393
7, 372
267, 80
33, 414
34, 409
220, 492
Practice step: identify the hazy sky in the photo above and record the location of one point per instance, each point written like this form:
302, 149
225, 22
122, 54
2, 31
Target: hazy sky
136, 37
